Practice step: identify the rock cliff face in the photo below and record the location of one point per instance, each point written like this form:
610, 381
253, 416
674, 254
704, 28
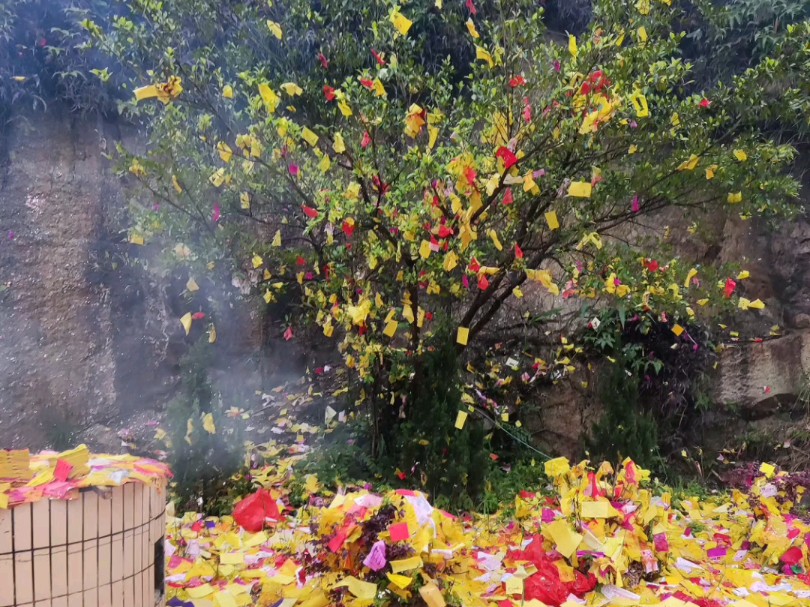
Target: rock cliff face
761, 387
70, 314
90, 342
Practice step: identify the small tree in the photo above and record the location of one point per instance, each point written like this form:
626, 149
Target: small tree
206, 446
328, 153
626, 430
448, 460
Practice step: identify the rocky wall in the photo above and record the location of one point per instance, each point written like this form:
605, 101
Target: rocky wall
75, 335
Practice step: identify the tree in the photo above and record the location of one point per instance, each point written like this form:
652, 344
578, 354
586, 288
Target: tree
730, 35
42, 61
405, 189
206, 444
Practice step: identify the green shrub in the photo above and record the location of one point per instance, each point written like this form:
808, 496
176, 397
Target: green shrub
504, 483
43, 60
204, 463
668, 373
450, 464
342, 460
625, 430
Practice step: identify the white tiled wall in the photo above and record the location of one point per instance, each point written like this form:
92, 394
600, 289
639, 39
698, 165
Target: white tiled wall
95, 551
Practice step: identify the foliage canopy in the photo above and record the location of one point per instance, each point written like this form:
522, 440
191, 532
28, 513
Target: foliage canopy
416, 171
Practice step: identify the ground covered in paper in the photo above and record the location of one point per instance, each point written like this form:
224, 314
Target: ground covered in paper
596, 536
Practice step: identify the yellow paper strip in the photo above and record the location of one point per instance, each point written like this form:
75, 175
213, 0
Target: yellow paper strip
462, 335
400, 581
415, 561
461, 418
391, 328
580, 189
567, 539
595, 510
232, 558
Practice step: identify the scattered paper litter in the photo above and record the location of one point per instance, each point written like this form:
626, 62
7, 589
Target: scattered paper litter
396, 548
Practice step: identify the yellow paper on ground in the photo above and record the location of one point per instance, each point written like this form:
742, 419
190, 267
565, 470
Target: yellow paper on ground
592, 542
407, 564
595, 510
400, 581
566, 539
199, 592
359, 588
16, 465
316, 599
739, 577
253, 574
225, 599
781, 599
514, 585
675, 602
431, 594
613, 547
232, 558
78, 457
281, 579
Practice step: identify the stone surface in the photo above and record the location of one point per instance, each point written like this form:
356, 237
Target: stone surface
67, 323
91, 343
755, 377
